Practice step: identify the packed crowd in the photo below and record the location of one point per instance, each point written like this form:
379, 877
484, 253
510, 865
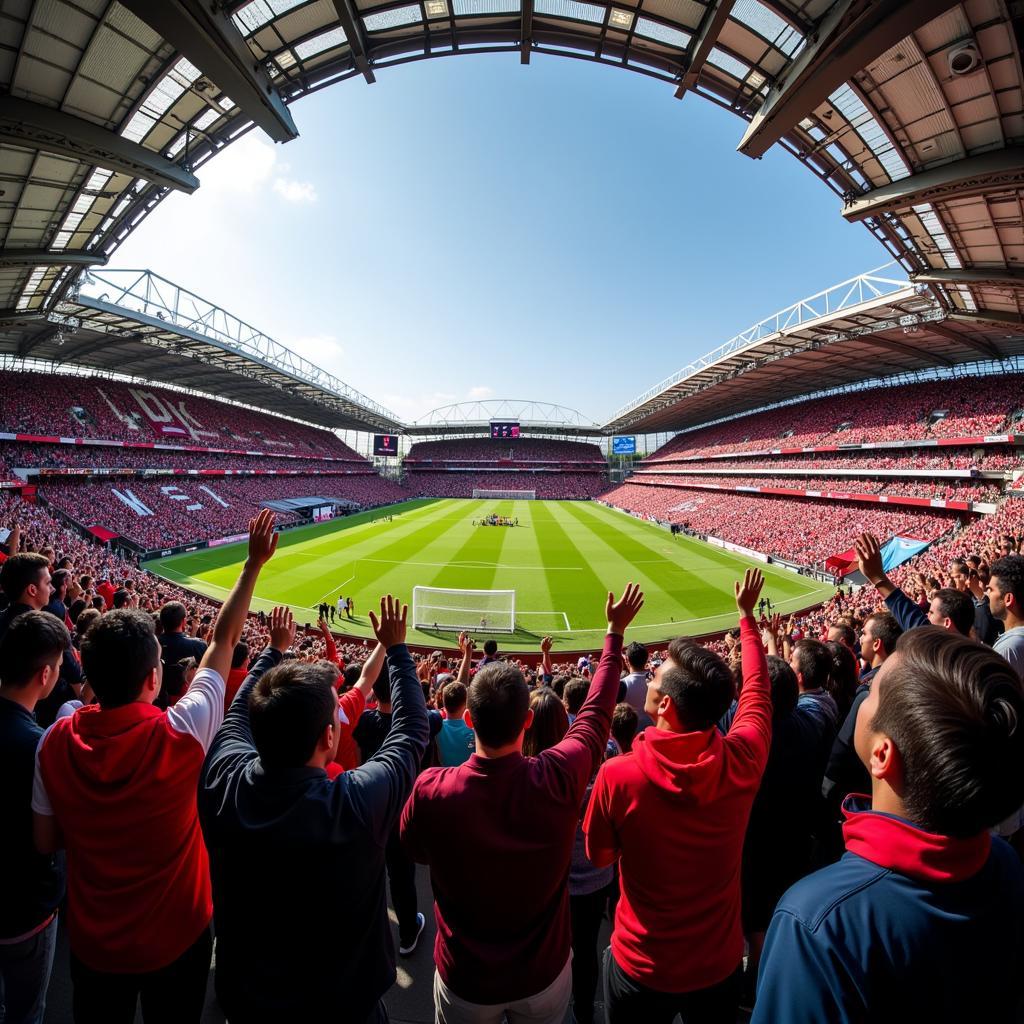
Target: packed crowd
991, 458
521, 450
546, 485
953, 489
969, 408
226, 503
767, 523
235, 775
69, 405
25, 455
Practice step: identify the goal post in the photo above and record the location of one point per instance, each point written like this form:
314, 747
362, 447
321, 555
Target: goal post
483, 492
490, 611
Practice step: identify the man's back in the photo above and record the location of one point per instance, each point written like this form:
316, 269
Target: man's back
674, 811
178, 646
514, 819
454, 742
121, 783
930, 936
297, 862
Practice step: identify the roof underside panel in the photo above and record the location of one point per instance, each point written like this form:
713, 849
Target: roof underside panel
892, 134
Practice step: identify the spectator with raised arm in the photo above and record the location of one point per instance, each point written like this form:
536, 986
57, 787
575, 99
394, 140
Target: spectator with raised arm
674, 813
298, 858
506, 949
115, 785
921, 919
948, 608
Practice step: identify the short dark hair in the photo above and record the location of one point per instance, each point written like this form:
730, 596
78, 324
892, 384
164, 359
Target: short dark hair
19, 572
382, 686
843, 675
550, 722
240, 655
958, 607
884, 627
498, 701
289, 708
699, 682
636, 655
955, 710
121, 598
574, 694
490, 648
624, 725
118, 654
454, 697
1009, 570
172, 615
350, 676
32, 640
59, 579
814, 663
783, 686
846, 631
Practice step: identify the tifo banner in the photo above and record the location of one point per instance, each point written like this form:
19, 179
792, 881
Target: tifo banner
896, 550
843, 563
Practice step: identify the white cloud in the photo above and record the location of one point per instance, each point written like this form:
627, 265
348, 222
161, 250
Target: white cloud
413, 406
480, 392
295, 191
244, 166
323, 350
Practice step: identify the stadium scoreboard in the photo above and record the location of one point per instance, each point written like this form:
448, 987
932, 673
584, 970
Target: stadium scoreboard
385, 444
623, 446
504, 429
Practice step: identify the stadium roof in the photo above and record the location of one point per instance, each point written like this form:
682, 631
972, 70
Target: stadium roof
476, 417
136, 323
911, 112
875, 325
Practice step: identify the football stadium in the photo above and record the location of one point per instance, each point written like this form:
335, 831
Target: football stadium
389, 703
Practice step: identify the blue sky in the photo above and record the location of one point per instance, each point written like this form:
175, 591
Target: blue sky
471, 228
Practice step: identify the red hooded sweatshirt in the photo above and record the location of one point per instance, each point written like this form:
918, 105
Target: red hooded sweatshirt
674, 813
122, 785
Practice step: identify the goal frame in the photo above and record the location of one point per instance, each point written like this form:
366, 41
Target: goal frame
504, 494
427, 622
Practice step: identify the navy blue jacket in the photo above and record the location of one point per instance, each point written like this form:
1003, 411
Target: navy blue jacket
905, 612
297, 863
34, 884
884, 939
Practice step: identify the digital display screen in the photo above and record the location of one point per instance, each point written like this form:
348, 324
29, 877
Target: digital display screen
385, 444
623, 446
503, 429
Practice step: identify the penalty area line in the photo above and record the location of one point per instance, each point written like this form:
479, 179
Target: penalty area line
344, 583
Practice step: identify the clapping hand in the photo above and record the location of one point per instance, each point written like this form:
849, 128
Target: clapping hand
390, 627
620, 614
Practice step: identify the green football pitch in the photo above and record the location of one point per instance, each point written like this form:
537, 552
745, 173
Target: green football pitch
561, 561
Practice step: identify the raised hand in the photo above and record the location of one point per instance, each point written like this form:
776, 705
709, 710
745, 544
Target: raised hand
748, 591
869, 558
262, 539
282, 629
390, 627
465, 641
620, 614
545, 645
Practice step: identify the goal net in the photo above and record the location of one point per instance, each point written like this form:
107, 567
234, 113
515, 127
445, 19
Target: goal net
483, 492
491, 611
